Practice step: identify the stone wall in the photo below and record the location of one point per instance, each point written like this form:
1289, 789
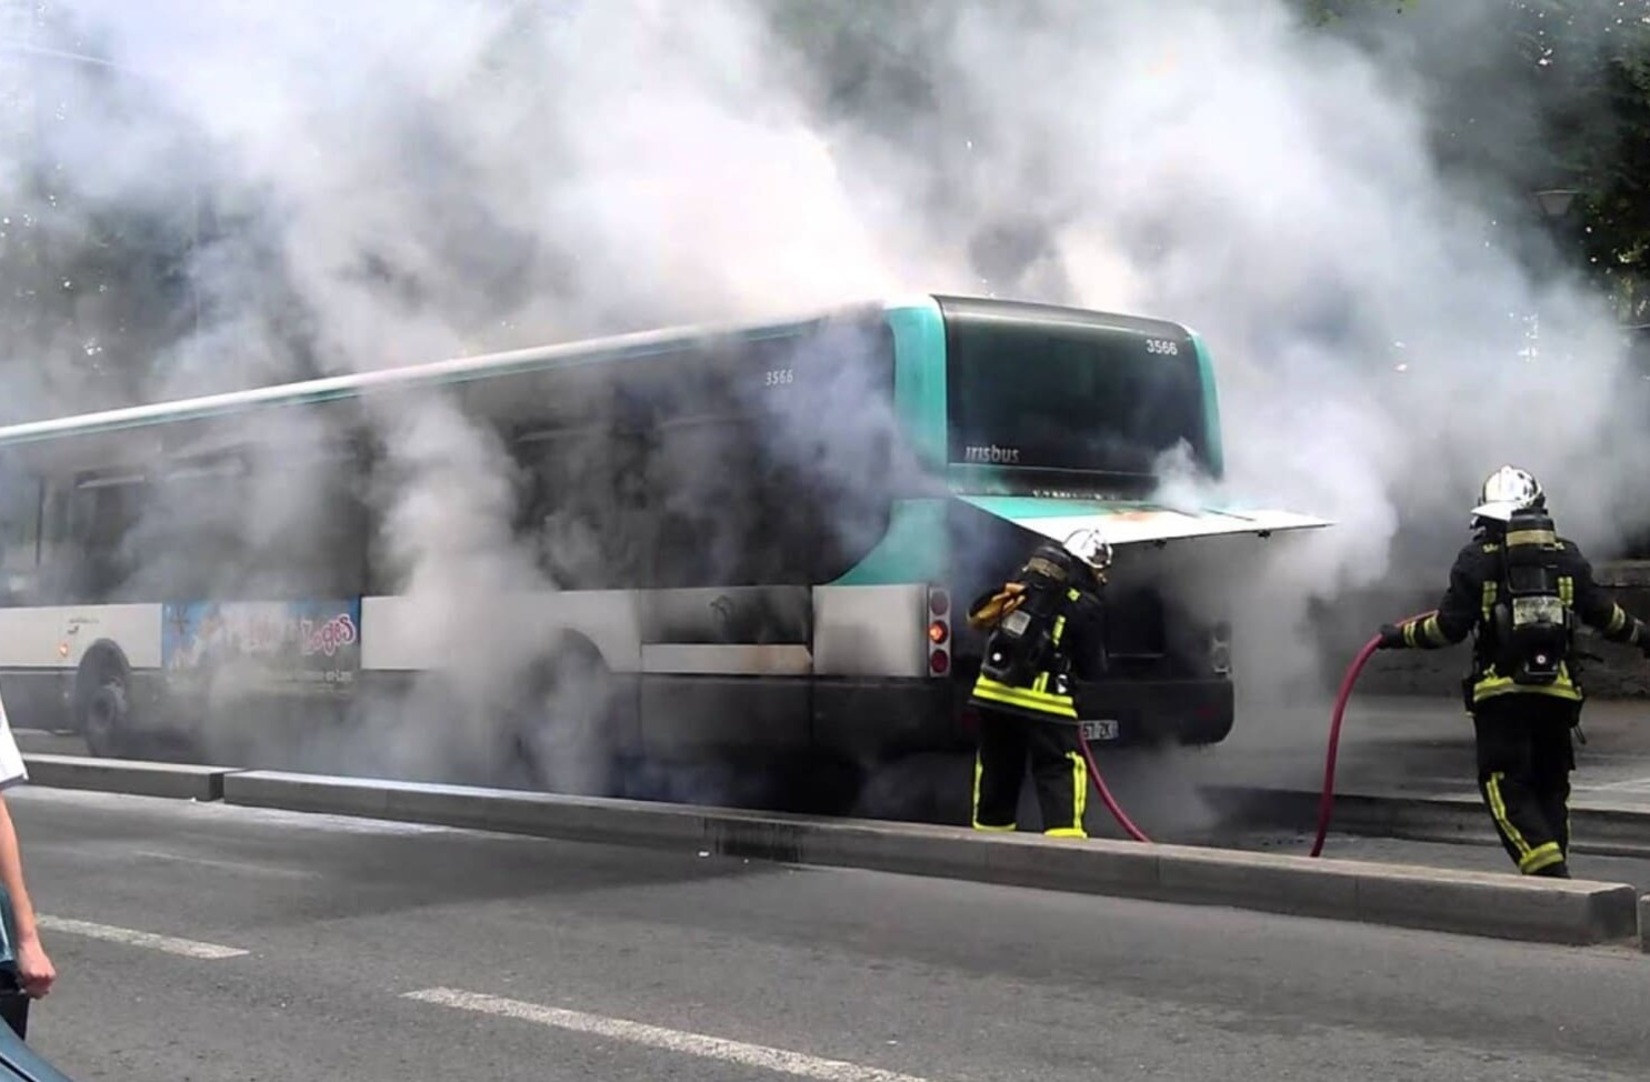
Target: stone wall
1620, 673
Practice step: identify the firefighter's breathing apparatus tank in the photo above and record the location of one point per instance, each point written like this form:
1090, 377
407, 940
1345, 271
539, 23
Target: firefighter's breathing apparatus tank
1022, 641
1533, 627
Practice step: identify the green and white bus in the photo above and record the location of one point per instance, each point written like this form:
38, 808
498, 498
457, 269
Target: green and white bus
752, 539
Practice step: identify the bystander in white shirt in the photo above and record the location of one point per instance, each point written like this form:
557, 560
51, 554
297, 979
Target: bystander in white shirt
34, 968
12, 769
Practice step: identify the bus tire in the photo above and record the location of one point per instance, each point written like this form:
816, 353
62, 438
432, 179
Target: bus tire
557, 731
105, 721
102, 702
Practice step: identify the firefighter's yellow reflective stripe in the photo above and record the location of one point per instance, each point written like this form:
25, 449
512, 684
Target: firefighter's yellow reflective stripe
1566, 590
1041, 702
1072, 594
1409, 634
1040, 685
1066, 832
1079, 791
979, 772
1498, 811
1059, 628
1618, 620
1433, 631
1490, 685
1490, 590
1531, 537
1542, 856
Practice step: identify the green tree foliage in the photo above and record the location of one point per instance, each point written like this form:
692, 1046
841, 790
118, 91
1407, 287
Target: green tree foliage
1526, 95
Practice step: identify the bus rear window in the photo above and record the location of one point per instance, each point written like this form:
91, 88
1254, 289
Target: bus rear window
1042, 395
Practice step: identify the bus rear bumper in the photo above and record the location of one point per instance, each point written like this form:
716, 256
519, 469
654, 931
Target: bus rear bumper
887, 719
1127, 713
880, 719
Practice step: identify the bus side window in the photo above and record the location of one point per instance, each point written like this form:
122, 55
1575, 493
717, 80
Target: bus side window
20, 522
568, 515
98, 557
59, 555
307, 528
828, 450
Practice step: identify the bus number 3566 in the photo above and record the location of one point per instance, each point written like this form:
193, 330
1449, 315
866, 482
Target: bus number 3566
1162, 345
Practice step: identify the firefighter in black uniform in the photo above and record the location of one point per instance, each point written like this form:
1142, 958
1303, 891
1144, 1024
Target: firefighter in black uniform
1046, 631
1521, 587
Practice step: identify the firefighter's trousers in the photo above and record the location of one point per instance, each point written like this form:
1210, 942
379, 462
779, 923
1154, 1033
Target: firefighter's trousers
1525, 757
1057, 772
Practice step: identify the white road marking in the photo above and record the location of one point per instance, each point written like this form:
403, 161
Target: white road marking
674, 1040
170, 807
171, 945
1630, 785
228, 865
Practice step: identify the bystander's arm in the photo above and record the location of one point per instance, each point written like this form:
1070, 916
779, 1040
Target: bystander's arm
34, 968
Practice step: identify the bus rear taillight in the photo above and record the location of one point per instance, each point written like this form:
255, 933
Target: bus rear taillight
1220, 649
939, 631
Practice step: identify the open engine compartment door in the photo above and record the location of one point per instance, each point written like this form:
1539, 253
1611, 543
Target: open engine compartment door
1128, 522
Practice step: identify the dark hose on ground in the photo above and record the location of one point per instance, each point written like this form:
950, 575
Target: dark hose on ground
1326, 800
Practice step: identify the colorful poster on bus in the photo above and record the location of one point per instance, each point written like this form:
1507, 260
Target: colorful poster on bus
277, 644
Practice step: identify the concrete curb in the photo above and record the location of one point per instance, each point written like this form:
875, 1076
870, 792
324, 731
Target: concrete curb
173, 780
1569, 912
1597, 828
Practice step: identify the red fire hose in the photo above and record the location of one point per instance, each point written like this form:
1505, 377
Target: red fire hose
1105, 794
1326, 802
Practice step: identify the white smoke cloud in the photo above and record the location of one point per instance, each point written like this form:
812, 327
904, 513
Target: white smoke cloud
434, 177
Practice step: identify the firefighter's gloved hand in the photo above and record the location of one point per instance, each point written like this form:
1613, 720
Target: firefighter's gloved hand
1004, 601
1391, 637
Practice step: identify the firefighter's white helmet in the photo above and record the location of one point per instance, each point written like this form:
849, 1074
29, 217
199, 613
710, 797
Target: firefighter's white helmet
1506, 490
1091, 547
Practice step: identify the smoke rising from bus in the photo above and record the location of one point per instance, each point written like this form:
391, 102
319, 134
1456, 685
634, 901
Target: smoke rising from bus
1368, 311
399, 182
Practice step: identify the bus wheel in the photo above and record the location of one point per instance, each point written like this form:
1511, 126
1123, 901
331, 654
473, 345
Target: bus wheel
104, 720
557, 730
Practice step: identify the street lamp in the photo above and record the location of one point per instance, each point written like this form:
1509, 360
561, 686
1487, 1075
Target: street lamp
1555, 202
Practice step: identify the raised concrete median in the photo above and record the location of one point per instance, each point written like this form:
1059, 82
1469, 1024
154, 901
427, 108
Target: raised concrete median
1483, 904
1597, 827
176, 780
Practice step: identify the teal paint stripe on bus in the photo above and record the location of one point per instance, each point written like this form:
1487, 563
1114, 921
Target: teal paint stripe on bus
919, 377
914, 548
1211, 408
1034, 507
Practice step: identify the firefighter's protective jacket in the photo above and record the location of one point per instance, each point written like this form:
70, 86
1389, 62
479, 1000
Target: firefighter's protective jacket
1468, 603
1076, 647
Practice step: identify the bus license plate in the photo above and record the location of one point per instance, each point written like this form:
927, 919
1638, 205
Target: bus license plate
1099, 730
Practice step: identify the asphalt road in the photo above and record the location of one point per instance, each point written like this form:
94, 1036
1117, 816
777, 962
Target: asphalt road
371, 951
